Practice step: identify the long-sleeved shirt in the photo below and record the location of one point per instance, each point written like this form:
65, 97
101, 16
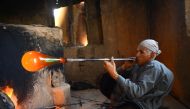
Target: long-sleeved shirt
146, 86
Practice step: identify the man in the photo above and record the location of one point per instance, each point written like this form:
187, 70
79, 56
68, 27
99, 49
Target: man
148, 82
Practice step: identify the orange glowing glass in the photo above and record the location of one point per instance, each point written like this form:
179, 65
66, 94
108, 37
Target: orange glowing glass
33, 61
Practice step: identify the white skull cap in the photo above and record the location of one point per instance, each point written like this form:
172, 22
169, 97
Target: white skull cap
150, 44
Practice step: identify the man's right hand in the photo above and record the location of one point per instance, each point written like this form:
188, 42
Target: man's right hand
127, 64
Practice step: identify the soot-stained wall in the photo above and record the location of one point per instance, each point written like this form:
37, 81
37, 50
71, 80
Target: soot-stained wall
27, 12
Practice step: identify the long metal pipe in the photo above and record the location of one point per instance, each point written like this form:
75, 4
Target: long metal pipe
99, 59
87, 59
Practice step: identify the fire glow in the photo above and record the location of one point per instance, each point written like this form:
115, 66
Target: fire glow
10, 92
60, 16
83, 40
61, 20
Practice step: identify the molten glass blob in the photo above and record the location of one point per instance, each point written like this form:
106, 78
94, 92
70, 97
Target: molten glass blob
33, 61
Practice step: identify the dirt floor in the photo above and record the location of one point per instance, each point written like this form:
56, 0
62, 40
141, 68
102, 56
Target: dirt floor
93, 99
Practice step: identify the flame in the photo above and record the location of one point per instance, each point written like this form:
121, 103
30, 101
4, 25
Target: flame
10, 92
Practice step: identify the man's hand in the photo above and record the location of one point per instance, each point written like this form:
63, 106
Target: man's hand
127, 64
111, 68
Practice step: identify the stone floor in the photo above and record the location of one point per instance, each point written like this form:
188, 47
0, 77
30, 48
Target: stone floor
92, 99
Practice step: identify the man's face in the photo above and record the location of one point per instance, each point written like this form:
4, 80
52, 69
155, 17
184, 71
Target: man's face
143, 55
